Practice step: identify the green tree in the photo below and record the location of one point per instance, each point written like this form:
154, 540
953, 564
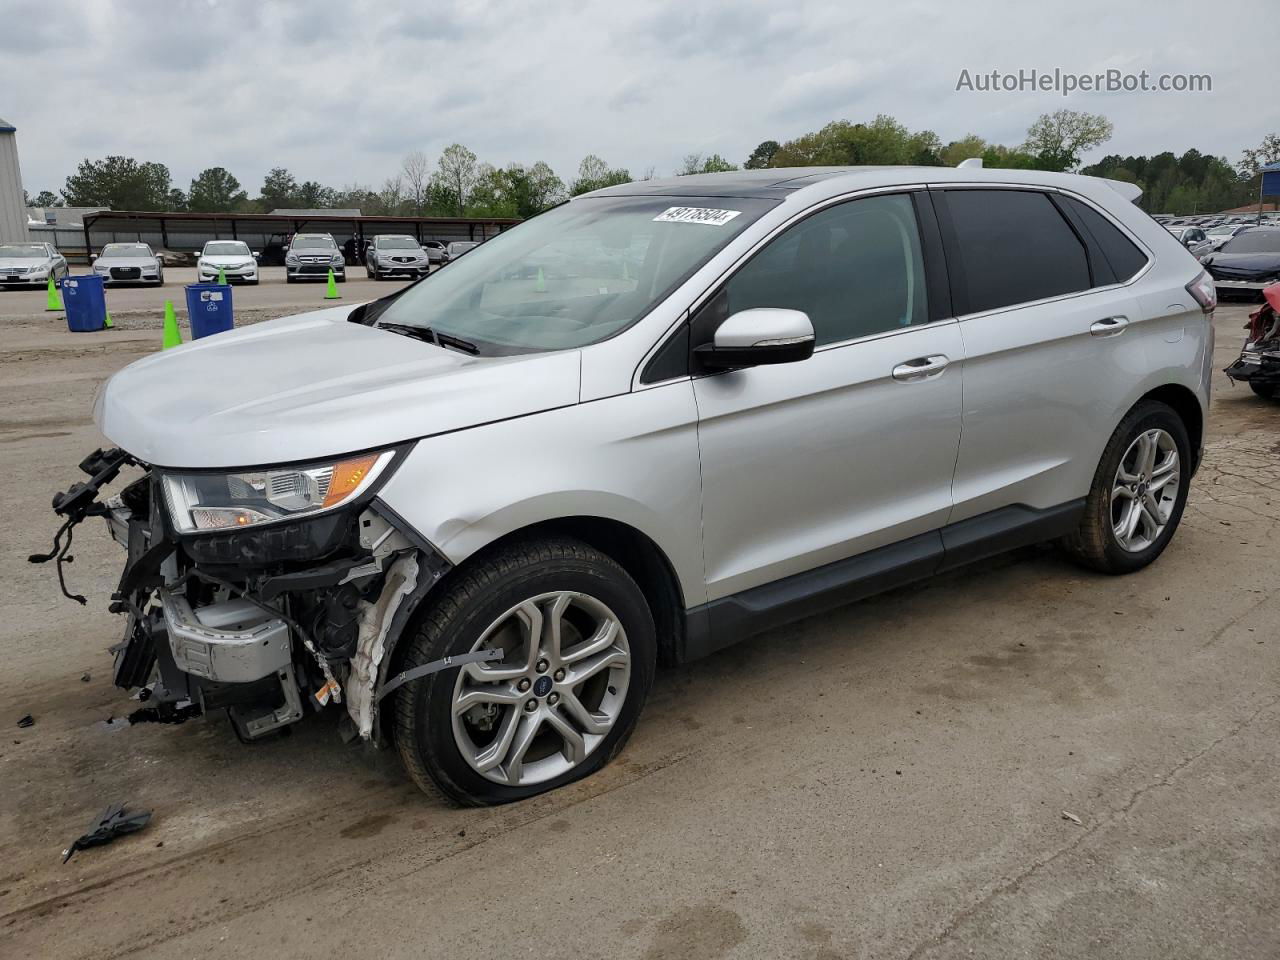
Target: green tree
457, 175
279, 189
958, 151
120, 183
1058, 139
595, 174
215, 190
45, 198
882, 141
1255, 159
177, 200
316, 196
762, 155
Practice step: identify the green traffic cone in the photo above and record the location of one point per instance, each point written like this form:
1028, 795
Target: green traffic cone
172, 336
222, 276
108, 324
540, 285
331, 293
52, 301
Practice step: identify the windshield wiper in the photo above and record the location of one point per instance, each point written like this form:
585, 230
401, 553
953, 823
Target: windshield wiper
431, 336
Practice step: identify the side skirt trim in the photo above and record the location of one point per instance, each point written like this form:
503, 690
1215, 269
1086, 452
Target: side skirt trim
721, 623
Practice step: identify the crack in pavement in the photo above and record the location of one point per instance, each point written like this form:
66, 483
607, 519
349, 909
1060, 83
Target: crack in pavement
957, 919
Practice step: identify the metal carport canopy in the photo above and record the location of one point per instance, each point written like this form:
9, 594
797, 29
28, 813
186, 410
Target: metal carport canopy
186, 231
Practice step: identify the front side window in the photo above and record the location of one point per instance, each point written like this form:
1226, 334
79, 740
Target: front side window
856, 269
575, 275
1013, 247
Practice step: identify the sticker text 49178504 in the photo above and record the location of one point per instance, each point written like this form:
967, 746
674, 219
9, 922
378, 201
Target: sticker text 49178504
705, 215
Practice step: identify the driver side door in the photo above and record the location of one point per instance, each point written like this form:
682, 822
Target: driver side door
807, 464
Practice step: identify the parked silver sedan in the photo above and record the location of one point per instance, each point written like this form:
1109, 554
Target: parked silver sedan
128, 263
31, 264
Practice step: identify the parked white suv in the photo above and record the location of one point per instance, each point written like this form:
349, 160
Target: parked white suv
636, 429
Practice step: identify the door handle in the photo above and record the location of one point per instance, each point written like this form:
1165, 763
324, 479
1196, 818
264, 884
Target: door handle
921, 368
1109, 327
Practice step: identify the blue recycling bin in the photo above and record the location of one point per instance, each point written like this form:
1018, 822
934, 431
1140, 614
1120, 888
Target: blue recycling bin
85, 303
209, 308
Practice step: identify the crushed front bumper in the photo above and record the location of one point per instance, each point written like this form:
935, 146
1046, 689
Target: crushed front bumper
261, 636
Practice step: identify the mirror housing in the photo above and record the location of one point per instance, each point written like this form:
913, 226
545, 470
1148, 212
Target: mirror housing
257, 254
759, 336
93, 257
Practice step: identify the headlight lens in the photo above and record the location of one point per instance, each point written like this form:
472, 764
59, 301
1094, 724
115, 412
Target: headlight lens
221, 501
336, 258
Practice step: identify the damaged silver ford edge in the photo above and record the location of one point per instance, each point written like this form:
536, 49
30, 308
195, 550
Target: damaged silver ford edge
474, 515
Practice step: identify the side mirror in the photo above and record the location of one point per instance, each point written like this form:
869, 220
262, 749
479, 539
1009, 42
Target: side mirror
93, 257
762, 335
257, 254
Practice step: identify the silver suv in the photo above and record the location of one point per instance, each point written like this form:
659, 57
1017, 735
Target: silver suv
312, 256
476, 514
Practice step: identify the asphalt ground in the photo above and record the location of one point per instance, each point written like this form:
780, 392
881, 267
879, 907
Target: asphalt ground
891, 779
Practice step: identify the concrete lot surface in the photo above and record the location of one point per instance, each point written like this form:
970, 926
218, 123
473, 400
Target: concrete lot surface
888, 780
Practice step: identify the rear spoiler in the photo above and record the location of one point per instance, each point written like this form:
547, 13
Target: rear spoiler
1130, 191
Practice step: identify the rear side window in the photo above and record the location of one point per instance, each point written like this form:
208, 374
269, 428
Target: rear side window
1122, 254
1013, 246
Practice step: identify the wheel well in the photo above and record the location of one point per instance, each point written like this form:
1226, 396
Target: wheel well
1185, 405
637, 554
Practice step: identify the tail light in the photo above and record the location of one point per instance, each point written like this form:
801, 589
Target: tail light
1204, 291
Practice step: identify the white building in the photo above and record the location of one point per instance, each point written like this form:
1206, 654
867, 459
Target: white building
13, 208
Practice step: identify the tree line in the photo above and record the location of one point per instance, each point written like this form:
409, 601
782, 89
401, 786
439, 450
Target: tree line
457, 183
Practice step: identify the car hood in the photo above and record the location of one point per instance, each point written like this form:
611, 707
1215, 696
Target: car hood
125, 262
1243, 263
315, 386
24, 262
226, 259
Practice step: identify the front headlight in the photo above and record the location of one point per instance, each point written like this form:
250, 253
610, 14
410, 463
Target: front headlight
291, 259
336, 258
221, 501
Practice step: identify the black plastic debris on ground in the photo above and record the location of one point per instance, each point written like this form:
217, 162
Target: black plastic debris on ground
113, 822
27, 721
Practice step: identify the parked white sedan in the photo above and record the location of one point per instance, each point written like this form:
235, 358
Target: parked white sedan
128, 263
233, 257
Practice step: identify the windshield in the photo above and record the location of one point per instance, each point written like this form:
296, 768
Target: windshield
1254, 241
397, 243
313, 243
226, 248
24, 250
126, 250
575, 275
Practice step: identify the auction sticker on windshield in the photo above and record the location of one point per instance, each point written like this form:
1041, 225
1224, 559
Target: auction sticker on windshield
707, 215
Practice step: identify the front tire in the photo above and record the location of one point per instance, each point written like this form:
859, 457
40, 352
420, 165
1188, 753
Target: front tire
579, 649
1139, 492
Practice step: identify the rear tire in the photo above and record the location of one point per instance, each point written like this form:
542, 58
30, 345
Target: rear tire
1265, 390
570, 728
1104, 539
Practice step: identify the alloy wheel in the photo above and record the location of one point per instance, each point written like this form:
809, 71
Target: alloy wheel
1145, 490
553, 697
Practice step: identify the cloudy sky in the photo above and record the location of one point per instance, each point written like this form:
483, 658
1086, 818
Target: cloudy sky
339, 91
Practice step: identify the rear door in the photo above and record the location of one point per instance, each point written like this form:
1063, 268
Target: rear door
807, 463
1052, 342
